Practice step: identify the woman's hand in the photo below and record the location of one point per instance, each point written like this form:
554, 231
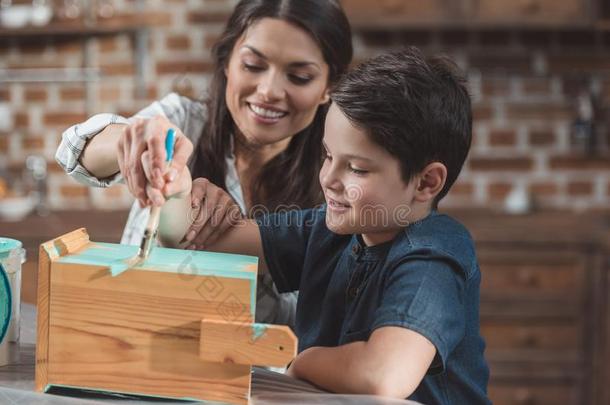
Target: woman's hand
214, 212
141, 157
180, 187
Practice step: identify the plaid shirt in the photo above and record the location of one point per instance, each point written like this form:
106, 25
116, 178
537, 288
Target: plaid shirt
190, 117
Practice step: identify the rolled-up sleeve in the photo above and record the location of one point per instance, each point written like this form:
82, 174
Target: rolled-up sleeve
178, 110
73, 142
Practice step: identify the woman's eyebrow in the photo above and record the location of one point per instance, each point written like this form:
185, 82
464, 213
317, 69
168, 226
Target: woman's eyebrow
293, 64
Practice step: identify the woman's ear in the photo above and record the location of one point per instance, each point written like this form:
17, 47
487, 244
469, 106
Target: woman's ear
325, 97
431, 182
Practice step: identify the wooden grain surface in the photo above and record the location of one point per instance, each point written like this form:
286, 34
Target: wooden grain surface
138, 332
246, 343
48, 252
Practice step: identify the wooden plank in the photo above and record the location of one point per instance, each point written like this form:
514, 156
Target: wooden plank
139, 332
214, 297
71, 242
247, 343
47, 253
42, 322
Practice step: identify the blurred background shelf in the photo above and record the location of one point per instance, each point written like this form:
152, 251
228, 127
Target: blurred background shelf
135, 24
473, 14
603, 25
121, 23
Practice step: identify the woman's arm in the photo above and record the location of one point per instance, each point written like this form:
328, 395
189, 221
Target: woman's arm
75, 140
391, 363
100, 154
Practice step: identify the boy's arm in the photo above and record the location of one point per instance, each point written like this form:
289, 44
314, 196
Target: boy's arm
391, 363
242, 237
424, 301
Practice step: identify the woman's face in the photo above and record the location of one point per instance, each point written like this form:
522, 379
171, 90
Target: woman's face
276, 79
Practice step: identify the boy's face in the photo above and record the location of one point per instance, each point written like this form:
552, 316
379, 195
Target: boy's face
362, 183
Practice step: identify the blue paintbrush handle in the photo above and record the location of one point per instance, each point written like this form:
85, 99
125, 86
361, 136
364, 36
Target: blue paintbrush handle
170, 139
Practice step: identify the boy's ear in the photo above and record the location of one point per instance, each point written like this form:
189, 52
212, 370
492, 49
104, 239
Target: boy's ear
431, 181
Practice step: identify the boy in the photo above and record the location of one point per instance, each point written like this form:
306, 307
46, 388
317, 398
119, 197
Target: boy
389, 288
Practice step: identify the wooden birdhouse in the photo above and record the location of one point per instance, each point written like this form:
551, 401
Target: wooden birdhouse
180, 325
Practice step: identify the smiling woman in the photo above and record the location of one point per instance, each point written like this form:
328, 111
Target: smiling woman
256, 138
275, 87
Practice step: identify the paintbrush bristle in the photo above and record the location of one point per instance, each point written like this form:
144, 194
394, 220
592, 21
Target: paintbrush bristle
121, 265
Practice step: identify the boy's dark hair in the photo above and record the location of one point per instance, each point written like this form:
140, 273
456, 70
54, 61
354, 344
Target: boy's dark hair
417, 109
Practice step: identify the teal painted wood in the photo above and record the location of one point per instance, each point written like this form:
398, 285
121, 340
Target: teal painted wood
169, 260
178, 261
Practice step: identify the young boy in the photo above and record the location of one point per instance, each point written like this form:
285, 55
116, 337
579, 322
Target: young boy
389, 288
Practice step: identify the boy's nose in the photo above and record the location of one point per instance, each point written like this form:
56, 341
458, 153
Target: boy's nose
328, 178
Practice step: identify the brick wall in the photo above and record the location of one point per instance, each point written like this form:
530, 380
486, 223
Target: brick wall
524, 86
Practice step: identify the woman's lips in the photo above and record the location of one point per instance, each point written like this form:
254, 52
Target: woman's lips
264, 114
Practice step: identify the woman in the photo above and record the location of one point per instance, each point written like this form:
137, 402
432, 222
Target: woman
257, 137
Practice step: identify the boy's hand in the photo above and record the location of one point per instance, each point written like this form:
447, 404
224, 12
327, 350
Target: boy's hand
141, 158
216, 212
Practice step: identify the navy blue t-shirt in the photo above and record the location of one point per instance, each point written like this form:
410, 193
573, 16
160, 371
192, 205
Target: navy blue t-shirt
426, 279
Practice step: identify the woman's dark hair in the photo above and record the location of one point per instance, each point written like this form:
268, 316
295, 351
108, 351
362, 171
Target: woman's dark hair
291, 177
416, 108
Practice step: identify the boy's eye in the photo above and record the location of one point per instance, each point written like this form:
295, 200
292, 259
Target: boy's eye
299, 80
359, 172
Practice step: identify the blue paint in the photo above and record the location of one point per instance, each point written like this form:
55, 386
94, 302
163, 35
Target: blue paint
177, 261
258, 330
118, 267
168, 260
6, 303
7, 246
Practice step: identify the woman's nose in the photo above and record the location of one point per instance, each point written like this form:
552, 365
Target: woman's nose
270, 87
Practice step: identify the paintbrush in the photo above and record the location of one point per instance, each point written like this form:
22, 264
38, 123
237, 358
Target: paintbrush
152, 226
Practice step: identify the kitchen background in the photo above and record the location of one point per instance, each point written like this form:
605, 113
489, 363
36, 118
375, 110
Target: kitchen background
539, 74
535, 190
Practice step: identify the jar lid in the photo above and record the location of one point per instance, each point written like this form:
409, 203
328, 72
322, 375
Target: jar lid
5, 304
7, 245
